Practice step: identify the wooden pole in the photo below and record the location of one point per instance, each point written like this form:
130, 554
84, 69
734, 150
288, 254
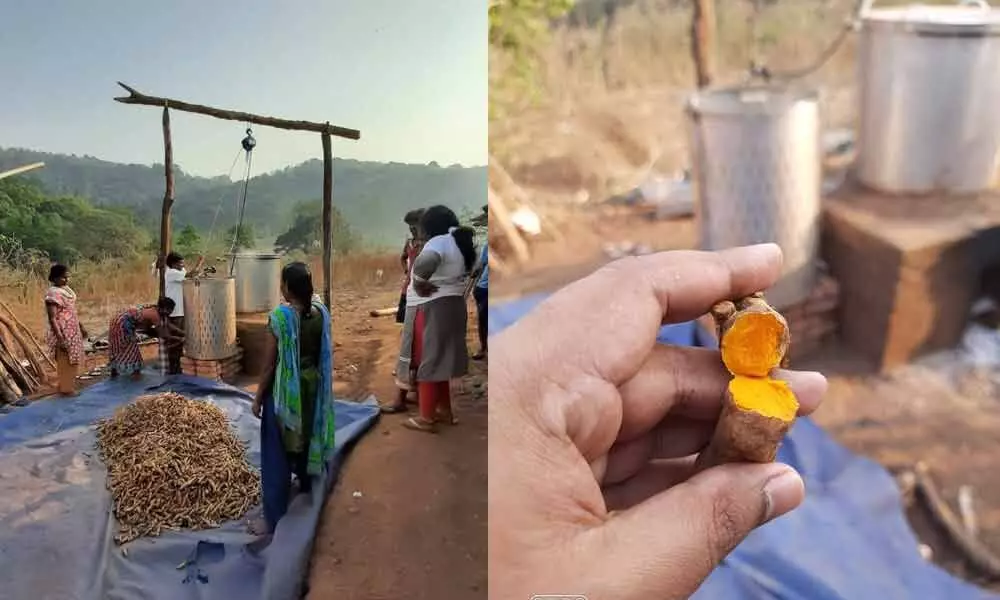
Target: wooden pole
24, 169
703, 41
168, 200
136, 97
327, 222
501, 217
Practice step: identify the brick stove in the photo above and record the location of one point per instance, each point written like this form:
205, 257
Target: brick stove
909, 268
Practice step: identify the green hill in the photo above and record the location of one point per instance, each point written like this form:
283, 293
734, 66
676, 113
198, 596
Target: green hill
371, 196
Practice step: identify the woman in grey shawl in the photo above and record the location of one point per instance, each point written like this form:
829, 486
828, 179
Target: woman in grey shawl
433, 348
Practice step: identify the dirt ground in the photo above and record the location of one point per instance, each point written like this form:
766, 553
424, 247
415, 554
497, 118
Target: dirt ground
939, 410
408, 517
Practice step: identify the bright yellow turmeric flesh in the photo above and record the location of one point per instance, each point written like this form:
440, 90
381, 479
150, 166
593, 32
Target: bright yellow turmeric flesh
753, 344
764, 396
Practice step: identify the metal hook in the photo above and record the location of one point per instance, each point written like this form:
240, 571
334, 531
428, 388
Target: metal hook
249, 142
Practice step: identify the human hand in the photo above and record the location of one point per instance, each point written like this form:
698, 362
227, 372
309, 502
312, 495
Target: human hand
257, 406
594, 428
424, 288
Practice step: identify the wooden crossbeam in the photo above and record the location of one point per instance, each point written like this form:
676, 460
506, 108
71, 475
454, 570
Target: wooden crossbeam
136, 97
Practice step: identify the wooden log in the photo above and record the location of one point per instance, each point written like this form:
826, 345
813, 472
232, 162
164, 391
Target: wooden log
327, 222
26, 333
502, 218
168, 200
979, 555
498, 174
25, 340
19, 170
703, 41
136, 97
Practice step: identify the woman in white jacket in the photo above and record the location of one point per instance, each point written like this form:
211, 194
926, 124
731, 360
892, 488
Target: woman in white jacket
433, 349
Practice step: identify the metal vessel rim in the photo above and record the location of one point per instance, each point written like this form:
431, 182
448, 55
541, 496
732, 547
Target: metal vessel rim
732, 102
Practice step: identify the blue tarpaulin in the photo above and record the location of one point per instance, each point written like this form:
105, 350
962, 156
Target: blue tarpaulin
56, 526
848, 541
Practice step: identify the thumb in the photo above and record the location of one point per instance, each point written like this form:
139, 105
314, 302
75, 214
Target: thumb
666, 546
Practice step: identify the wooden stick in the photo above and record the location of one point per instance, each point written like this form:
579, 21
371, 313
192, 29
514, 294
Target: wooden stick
24, 169
29, 335
497, 170
703, 41
498, 266
977, 554
502, 217
30, 356
168, 200
327, 222
136, 97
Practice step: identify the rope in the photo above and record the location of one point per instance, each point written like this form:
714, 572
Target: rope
758, 70
242, 213
218, 203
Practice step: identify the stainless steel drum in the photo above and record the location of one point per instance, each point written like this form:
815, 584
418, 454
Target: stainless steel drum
258, 282
929, 79
210, 318
756, 173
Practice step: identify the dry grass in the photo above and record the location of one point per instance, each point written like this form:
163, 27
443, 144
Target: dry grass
106, 287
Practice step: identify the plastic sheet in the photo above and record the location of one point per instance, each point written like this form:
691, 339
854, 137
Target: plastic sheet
56, 528
848, 541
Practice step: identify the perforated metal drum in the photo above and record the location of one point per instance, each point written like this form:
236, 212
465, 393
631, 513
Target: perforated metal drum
210, 318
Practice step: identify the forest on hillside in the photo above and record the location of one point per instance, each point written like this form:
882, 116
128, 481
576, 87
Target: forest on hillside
371, 197
37, 227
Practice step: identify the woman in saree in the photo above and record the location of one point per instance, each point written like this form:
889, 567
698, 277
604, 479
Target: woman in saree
294, 397
65, 334
124, 355
433, 349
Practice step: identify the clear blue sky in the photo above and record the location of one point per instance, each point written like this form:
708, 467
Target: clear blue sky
410, 74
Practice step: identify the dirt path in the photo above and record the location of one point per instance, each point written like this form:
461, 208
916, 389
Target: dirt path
418, 527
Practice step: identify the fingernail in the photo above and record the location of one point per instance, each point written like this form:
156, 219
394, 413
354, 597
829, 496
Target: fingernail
783, 491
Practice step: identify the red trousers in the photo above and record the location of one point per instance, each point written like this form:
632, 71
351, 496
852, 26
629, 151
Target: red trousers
431, 395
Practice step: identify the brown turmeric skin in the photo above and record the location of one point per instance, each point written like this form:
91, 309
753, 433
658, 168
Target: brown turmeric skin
758, 410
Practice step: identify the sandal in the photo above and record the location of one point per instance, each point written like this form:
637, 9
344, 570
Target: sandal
418, 424
446, 419
392, 409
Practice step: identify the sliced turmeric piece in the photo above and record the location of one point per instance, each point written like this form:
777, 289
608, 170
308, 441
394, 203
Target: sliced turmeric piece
758, 410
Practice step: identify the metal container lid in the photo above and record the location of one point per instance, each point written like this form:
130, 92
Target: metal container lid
970, 18
255, 256
749, 100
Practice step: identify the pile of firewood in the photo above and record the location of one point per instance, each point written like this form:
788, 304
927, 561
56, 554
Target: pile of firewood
23, 361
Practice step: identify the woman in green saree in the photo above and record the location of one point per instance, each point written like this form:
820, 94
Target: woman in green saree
295, 396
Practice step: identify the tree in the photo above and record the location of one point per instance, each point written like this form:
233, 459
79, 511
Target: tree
189, 241
65, 228
305, 234
247, 238
517, 29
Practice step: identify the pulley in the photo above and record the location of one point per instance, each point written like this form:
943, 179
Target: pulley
249, 142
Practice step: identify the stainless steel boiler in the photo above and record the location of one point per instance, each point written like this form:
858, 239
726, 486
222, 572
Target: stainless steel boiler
756, 169
258, 282
928, 83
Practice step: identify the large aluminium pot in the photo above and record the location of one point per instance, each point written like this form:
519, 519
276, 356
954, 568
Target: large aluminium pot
210, 318
258, 282
929, 80
756, 174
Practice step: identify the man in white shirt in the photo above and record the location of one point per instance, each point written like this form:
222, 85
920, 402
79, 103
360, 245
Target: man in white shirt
172, 336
